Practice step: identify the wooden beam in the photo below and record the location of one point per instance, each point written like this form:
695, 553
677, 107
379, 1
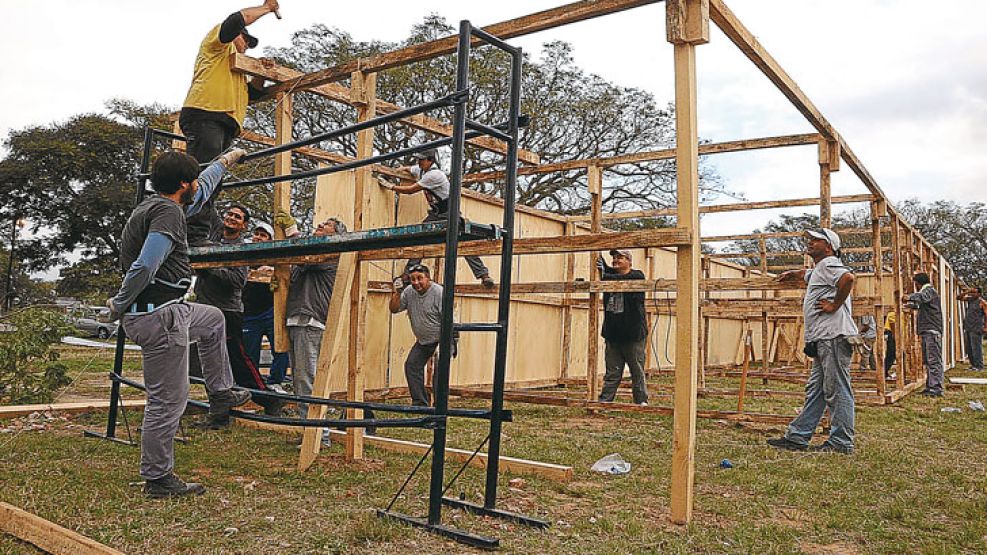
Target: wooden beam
694, 14
282, 203
334, 91
508, 465
48, 536
652, 155
339, 301
595, 183
779, 234
540, 21
734, 207
16, 411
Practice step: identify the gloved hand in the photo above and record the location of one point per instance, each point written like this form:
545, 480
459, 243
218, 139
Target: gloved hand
112, 315
600, 263
385, 183
232, 157
284, 220
398, 284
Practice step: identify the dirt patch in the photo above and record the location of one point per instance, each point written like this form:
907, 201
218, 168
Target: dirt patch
790, 517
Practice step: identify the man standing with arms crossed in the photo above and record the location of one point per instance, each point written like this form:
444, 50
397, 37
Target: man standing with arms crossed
216, 105
154, 255
828, 325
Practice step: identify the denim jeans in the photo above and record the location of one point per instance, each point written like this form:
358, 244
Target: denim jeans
828, 387
255, 328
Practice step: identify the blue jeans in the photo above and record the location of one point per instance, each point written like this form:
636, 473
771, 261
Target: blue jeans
828, 387
255, 328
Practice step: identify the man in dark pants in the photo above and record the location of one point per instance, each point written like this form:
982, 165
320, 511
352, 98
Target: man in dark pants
828, 327
213, 112
435, 185
258, 313
928, 324
223, 288
625, 330
154, 255
423, 301
974, 327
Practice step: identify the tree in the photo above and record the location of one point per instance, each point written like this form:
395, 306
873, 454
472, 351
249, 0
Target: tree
573, 115
958, 232
802, 222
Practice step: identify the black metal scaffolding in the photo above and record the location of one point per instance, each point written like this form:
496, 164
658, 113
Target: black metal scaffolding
451, 232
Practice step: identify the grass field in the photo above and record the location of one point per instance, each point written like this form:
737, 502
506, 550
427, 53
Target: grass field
917, 484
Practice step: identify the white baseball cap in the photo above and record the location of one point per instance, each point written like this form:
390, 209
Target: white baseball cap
827, 235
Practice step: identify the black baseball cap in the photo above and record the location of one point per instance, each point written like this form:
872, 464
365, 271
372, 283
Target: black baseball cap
251, 40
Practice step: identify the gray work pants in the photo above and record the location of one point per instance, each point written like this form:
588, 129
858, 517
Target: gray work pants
414, 372
616, 356
828, 387
867, 359
476, 265
932, 357
974, 340
164, 336
306, 341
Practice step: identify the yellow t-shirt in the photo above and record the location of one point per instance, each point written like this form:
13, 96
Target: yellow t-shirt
889, 321
215, 87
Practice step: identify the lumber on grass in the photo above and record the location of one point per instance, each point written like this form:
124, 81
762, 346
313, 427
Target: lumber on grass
508, 465
16, 411
47, 535
339, 93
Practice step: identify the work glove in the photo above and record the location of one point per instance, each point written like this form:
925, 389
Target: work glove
600, 264
398, 284
232, 157
112, 315
284, 220
385, 183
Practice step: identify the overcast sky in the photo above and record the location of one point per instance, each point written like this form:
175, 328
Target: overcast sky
903, 81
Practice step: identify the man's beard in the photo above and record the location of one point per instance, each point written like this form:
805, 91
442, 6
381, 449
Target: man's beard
188, 195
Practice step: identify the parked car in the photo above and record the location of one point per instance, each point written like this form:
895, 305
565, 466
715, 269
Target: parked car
86, 319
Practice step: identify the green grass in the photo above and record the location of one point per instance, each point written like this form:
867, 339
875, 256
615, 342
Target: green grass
917, 484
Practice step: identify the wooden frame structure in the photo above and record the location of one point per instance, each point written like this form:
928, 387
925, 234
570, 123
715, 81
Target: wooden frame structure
709, 295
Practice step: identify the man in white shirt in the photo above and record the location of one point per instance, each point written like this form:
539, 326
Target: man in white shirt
435, 185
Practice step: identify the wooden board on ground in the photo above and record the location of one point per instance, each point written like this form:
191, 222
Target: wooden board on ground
15, 411
48, 536
969, 381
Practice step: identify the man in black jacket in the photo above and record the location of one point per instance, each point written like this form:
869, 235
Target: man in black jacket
625, 330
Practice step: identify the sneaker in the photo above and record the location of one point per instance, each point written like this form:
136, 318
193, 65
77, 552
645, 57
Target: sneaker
828, 447
787, 444
643, 404
276, 388
171, 486
326, 439
487, 281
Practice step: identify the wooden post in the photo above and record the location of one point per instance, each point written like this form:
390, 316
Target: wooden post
748, 355
763, 249
687, 24
829, 161
876, 245
282, 203
333, 336
570, 275
595, 181
704, 322
364, 94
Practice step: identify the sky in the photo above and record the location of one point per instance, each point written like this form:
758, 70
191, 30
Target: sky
903, 81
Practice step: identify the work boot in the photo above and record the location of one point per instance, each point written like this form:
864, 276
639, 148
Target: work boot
272, 405
828, 447
171, 486
487, 281
787, 444
220, 404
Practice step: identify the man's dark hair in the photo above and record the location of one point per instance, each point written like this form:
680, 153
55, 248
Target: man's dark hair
921, 278
243, 210
171, 169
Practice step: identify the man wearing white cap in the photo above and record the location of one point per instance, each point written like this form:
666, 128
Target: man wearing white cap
258, 312
828, 325
625, 330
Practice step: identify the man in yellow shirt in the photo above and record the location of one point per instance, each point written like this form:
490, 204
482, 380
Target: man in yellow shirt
890, 349
213, 112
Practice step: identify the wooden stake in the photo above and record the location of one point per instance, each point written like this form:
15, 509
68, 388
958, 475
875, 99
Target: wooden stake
282, 203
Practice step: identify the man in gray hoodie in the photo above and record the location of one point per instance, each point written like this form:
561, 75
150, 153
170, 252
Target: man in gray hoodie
928, 324
308, 306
